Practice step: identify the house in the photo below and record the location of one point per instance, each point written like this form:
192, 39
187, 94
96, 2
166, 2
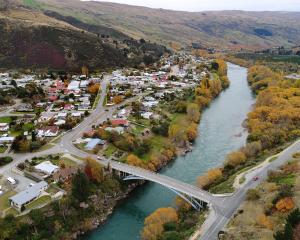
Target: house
4, 127
5, 140
64, 174
119, 130
76, 114
27, 196
61, 116
60, 122
46, 167
147, 115
93, 143
46, 116
74, 86
49, 131
24, 107
68, 107
120, 122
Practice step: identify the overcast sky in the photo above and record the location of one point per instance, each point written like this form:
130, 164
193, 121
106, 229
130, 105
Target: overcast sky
201, 5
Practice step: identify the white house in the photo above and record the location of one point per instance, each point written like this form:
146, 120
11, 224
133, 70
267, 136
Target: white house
4, 127
47, 167
27, 196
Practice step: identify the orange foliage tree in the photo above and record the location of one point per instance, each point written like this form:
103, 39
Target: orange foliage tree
94, 88
285, 204
154, 223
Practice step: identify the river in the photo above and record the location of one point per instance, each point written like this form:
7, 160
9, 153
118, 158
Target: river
220, 131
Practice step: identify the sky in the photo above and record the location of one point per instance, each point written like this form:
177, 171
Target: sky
203, 5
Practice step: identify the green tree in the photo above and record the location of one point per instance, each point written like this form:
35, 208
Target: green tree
80, 187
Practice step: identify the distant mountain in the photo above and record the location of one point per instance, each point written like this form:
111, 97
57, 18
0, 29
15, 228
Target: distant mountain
232, 29
30, 39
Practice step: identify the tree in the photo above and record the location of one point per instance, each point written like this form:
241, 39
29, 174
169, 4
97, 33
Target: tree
252, 194
211, 176
80, 187
177, 134
154, 223
264, 221
117, 99
85, 70
193, 112
94, 88
94, 170
285, 204
235, 158
134, 161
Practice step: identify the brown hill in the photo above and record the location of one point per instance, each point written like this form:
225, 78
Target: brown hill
220, 29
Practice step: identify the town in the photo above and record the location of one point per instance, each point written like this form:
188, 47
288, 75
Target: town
35, 168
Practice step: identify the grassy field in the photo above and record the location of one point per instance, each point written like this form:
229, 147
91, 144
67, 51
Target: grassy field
4, 203
110, 150
5, 119
38, 202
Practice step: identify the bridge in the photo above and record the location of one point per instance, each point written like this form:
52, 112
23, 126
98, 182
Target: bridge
192, 194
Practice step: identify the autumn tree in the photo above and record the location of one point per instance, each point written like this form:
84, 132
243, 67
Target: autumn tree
235, 158
94, 88
154, 223
193, 112
94, 170
117, 99
177, 134
264, 221
192, 131
85, 70
285, 204
134, 160
182, 205
211, 176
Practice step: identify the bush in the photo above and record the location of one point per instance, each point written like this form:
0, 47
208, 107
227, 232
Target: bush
5, 160
252, 195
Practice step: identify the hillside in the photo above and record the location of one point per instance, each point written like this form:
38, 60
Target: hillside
30, 39
233, 29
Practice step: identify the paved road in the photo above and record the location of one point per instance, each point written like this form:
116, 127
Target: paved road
216, 222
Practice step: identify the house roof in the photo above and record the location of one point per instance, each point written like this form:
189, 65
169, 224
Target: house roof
47, 167
119, 122
29, 194
93, 143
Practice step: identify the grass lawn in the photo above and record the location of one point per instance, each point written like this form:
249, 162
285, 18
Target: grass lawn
11, 211
157, 143
38, 202
5, 119
52, 189
3, 149
110, 150
4, 203
65, 161
96, 100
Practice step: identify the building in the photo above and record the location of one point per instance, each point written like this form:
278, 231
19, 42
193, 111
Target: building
27, 196
50, 131
93, 143
4, 140
119, 122
4, 127
46, 167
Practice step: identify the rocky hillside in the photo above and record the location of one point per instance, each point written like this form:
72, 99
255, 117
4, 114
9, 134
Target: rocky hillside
232, 29
30, 39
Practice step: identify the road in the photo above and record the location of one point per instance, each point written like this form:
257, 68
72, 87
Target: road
216, 222
222, 207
